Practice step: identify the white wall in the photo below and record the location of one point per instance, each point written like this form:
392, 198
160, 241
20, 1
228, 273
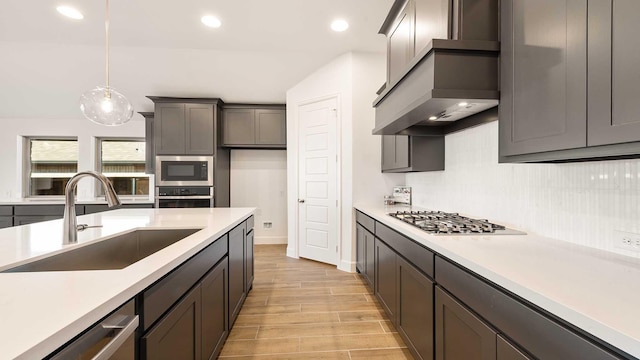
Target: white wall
259, 179
354, 79
582, 203
13, 131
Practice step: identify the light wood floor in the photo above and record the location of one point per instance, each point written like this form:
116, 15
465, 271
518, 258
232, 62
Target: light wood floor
302, 309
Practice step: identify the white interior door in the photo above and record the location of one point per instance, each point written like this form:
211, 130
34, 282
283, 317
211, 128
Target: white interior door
318, 182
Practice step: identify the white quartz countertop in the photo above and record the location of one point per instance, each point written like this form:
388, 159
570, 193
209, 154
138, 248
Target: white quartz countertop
40, 311
595, 290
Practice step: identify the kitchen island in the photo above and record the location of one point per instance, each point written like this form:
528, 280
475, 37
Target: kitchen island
547, 296
41, 311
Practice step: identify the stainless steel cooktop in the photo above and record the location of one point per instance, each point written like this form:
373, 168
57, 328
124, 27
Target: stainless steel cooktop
442, 223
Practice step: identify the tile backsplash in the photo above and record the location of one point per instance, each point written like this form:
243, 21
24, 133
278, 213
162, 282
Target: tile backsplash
583, 203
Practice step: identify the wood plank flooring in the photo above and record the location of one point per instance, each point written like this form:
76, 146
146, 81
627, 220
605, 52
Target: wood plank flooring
302, 309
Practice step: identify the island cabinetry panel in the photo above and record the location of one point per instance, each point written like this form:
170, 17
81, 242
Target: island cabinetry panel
178, 334
237, 266
215, 310
249, 126
249, 259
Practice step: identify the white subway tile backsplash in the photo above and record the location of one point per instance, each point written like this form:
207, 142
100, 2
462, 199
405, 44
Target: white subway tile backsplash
581, 202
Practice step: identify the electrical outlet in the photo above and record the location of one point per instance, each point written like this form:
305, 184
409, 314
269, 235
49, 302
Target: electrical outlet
267, 225
627, 240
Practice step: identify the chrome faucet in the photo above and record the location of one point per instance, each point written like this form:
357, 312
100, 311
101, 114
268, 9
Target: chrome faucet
69, 227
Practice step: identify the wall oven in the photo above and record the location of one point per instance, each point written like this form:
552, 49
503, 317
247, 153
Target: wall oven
184, 170
184, 196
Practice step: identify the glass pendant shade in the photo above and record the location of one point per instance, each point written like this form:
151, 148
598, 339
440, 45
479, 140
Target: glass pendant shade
106, 107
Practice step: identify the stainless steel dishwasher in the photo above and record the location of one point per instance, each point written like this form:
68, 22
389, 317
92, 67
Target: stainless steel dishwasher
112, 338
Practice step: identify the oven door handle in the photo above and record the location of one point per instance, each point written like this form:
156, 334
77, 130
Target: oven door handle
183, 197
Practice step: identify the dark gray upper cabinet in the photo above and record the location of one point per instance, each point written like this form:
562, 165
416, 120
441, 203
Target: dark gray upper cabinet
568, 80
614, 78
400, 43
184, 126
430, 22
150, 151
401, 153
245, 126
543, 104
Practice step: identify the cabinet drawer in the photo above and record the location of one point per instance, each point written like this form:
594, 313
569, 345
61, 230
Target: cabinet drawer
365, 221
6, 210
249, 223
52, 210
539, 335
419, 256
162, 295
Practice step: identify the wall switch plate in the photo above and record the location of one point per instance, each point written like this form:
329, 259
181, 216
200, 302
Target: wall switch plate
627, 240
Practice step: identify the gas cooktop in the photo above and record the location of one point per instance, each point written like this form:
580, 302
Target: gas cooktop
442, 223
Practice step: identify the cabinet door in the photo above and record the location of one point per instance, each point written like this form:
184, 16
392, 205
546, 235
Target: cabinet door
506, 351
400, 43
385, 285
388, 152
360, 251
237, 291
249, 261
543, 76
270, 127
199, 129
6, 221
614, 78
215, 310
238, 127
149, 155
460, 335
177, 335
402, 158
369, 261
169, 129
415, 310
431, 22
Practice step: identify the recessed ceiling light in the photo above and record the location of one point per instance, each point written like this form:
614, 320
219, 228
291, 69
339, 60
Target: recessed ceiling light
211, 21
339, 25
463, 104
433, 118
70, 12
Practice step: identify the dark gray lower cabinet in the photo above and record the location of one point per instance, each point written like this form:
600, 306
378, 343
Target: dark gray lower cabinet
365, 253
237, 282
506, 351
178, 334
460, 335
215, 310
6, 221
415, 309
249, 261
385, 277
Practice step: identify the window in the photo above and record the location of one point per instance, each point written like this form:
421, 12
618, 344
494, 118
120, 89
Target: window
52, 162
123, 162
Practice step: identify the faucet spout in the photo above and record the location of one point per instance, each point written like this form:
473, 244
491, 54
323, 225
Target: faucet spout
69, 225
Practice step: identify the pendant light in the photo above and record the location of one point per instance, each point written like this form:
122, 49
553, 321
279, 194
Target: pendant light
104, 105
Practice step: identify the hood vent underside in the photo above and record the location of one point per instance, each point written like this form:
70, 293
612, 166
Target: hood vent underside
449, 80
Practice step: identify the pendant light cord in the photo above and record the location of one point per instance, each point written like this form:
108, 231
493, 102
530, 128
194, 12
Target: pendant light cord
106, 26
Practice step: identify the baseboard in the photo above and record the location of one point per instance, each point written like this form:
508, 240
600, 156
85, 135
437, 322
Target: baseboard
348, 266
270, 240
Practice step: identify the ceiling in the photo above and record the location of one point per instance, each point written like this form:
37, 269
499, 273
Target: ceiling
161, 48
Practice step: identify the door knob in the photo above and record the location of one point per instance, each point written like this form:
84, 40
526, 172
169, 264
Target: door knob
301, 200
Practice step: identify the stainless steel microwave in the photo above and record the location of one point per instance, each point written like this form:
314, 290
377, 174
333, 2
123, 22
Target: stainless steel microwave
184, 170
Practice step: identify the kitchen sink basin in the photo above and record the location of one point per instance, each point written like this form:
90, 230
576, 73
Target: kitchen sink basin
110, 254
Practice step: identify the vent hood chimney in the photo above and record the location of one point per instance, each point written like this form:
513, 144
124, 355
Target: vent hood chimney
447, 80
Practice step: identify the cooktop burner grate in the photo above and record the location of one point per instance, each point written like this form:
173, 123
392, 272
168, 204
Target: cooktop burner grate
443, 223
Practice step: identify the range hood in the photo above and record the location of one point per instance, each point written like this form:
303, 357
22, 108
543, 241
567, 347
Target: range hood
449, 80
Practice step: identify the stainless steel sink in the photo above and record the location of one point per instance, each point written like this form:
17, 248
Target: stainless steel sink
110, 254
